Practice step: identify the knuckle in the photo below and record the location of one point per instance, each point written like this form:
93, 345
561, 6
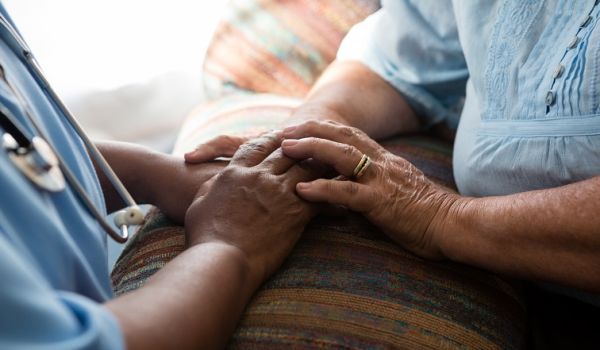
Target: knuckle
351, 188
311, 125
346, 131
232, 170
259, 148
229, 172
253, 147
348, 150
313, 141
327, 186
270, 137
264, 178
246, 147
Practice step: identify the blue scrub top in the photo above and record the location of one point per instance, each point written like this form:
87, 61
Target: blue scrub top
53, 259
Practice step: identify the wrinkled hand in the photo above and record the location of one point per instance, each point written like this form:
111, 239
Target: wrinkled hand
252, 205
392, 193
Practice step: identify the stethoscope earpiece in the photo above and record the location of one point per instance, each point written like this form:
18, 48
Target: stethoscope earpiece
129, 216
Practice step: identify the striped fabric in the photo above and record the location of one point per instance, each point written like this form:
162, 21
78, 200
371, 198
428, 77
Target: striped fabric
278, 46
233, 115
345, 285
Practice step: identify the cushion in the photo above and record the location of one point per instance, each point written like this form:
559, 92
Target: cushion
278, 46
345, 285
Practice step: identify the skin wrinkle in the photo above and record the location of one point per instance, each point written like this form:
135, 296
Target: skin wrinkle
232, 241
493, 232
549, 235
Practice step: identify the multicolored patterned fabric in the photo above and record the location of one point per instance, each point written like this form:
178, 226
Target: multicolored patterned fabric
278, 46
234, 115
345, 285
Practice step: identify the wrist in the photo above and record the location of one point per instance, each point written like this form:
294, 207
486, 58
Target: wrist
150, 176
133, 165
451, 223
316, 110
173, 184
250, 273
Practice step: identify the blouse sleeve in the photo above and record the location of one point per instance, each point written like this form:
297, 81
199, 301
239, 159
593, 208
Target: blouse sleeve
414, 45
35, 316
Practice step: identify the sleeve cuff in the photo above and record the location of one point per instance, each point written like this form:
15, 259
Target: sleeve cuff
359, 46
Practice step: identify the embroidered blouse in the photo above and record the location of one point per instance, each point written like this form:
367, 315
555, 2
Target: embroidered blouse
520, 78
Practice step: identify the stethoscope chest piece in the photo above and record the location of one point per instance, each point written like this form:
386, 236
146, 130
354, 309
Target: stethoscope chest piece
37, 162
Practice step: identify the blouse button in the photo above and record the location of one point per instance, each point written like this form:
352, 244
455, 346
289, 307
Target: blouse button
573, 43
585, 22
558, 71
550, 98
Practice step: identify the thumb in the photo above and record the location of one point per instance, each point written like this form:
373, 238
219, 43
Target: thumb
220, 146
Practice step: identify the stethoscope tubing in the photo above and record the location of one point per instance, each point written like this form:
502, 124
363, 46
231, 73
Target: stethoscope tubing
131, 215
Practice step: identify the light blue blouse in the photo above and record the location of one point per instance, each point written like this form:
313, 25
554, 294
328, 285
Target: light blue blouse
526, 71
54, 275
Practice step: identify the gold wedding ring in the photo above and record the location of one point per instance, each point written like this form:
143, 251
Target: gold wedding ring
363, 164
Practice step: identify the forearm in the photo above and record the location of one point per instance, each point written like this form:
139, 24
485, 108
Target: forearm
129, 162
350, 93
153, 177
194, 302
551, 235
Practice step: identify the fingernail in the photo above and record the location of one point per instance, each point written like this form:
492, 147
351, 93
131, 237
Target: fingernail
290, 143
302, 186
289, 129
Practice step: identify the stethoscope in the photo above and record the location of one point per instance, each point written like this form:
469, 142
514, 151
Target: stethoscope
39, 161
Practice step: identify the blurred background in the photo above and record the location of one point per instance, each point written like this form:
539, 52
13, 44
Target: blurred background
130, 70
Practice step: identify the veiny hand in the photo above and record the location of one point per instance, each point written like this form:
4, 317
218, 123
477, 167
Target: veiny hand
392, 193
252, 205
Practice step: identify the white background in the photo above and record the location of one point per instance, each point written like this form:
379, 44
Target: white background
129, 69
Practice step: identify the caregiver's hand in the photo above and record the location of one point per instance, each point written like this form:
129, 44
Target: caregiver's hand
392, 193
253, 207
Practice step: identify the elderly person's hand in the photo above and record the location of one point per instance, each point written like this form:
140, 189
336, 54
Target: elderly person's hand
252, 206
391, 192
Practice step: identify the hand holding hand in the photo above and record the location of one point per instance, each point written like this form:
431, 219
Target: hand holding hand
391, 192
252, 205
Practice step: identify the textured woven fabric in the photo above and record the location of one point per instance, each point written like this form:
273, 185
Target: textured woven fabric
345, 285
233, 115
278, 46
